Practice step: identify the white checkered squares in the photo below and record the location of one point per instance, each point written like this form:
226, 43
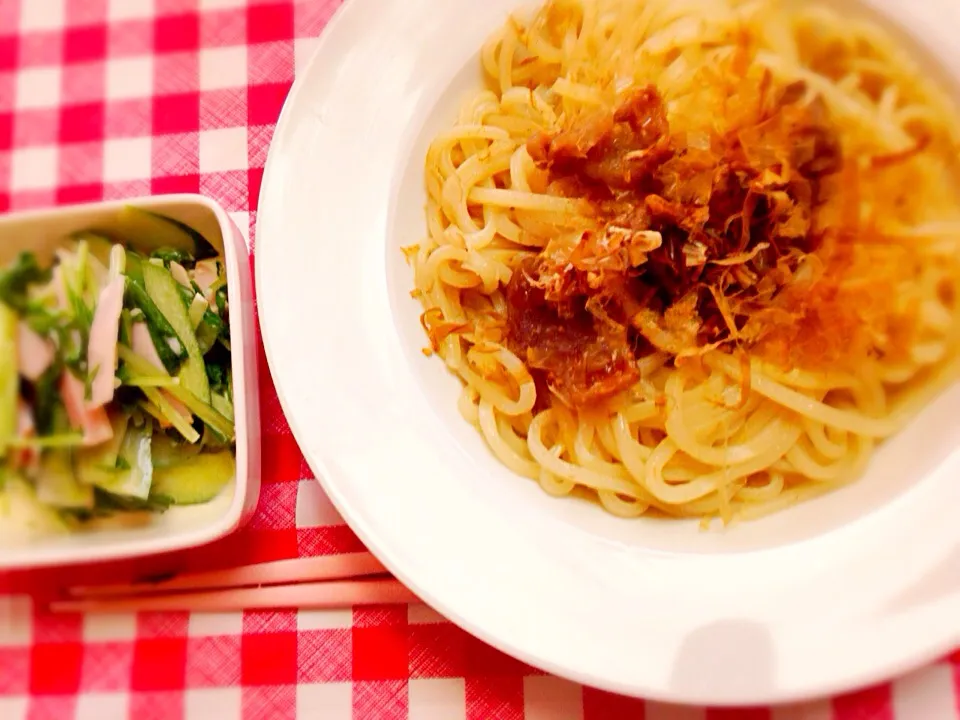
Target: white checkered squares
100, 706
14, 707
224, 4
303, 49
109, 627
210, 703
314, 508
34, 168
418, 614
212, 624
130, 9
440, 699
223, 149
224, 67
45, 15
926, 693
324, 700
38, 87
126, 159
130, 77
550, 698
16, 622
324, 619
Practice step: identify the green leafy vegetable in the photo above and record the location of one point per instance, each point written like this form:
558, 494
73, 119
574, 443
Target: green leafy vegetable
172, 354
218, 368
46, 321
217, 377
125, 333
16, 279
46, 400
220, 299
170, 254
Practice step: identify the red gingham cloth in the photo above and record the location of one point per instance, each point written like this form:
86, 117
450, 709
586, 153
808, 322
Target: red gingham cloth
115, 98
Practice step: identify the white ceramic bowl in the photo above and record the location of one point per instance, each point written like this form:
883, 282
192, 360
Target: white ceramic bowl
836, 593
180, 527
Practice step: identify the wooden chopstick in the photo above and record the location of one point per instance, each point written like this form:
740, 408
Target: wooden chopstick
316, 595
297, 570
330, 581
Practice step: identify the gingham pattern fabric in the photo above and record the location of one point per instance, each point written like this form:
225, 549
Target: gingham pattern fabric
115, 98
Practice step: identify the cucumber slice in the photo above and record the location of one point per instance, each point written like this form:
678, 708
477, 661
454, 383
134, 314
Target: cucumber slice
207, 335
98, 465
147, 231
135, 457
198, 307
22, 515
9, 377
197, 481
222, 405
57, 484
134, 268
167, 452
162, 288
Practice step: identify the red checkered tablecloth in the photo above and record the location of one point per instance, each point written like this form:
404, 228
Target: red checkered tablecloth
115, 98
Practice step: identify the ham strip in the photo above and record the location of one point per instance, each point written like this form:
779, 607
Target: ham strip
180, 274
102, 348
34, 353
93, 421
205, 274
143, 345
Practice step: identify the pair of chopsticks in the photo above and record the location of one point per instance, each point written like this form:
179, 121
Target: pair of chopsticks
326, 582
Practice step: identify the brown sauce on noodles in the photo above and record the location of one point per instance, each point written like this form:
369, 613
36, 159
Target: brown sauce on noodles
688, 228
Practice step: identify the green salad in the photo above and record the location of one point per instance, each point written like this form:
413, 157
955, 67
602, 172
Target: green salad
116, 391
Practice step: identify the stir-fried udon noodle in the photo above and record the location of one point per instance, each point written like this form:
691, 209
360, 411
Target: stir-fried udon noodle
695, 258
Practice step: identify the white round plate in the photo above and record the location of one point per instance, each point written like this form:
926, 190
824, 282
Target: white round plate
837, 593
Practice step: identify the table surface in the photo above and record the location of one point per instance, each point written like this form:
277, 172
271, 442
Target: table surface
116, 98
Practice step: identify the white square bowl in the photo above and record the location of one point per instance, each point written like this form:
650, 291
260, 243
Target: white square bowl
41, 231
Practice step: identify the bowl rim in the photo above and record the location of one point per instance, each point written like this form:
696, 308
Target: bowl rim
128, 545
